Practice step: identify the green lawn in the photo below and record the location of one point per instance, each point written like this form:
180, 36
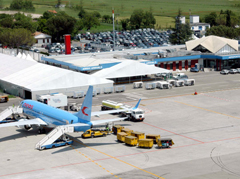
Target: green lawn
164, 10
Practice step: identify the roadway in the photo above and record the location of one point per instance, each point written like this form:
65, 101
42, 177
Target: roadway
205, 129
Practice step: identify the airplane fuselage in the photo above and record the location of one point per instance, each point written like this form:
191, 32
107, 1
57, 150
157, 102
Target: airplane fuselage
51, 115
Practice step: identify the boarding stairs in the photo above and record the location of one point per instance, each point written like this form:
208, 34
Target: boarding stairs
10, 111
58, 132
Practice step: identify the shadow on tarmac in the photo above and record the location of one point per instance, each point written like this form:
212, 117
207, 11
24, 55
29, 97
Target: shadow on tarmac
22, 133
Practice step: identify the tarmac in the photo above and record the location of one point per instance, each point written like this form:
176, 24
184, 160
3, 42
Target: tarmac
204, 127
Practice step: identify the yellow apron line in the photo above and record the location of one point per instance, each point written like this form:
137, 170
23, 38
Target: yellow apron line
120, 160
207, 110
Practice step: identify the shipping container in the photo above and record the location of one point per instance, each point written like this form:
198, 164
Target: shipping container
145, 143
121, 136
155, 137
130, 140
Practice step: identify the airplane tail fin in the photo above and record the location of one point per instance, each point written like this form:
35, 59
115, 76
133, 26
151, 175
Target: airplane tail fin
137, 104
86, 109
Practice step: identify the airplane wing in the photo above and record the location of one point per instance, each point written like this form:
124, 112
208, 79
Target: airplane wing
36, 121
107, 120
98, 113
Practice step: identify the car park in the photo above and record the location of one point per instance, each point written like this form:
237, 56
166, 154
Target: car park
224, 72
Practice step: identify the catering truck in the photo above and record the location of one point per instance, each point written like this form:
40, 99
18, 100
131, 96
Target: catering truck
133, 113
54, 99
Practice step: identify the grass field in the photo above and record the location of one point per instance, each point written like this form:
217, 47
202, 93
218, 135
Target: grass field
164, 10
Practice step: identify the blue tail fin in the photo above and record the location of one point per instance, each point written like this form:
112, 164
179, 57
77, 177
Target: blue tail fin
137, 104
86, 109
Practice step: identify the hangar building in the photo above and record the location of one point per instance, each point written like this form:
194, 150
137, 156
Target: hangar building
26, 78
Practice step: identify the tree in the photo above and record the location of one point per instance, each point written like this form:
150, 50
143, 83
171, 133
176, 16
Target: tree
211, 19
82, 12
16, 37
136, 18
47, 15
182, 32
125, 23
60, 24
223, 31
16, 4
42, 26
26, 22
7, 22
106, 18
90, 21
149, 21
96, 14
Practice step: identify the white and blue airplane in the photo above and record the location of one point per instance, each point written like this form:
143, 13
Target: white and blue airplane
43, 115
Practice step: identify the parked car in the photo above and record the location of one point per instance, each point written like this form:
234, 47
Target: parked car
224, 72
233, 71
36, 50
194, 70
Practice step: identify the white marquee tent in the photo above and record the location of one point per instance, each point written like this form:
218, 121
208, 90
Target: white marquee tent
26, 78
129, 68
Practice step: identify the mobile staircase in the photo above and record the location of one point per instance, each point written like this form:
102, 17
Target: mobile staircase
55, 138
11, 111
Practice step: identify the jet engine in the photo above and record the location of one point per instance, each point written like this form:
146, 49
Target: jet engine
26, 127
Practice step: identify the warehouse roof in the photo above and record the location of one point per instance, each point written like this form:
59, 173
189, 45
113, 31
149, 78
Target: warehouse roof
36, 76
129, 68
212, 43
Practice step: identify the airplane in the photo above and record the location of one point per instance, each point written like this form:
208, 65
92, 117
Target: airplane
47, 116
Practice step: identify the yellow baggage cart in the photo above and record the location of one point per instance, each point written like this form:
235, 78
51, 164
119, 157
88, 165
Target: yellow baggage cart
139, 135
117, 128
145, 143
165, 142
155, 137
126, 130
130, 140
121, 136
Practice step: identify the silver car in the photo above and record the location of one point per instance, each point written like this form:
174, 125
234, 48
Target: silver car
224, 72
233, 71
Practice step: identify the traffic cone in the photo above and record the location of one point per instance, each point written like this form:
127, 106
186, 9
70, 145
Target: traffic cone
195, 93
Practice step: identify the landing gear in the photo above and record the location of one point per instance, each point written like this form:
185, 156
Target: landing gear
41, 131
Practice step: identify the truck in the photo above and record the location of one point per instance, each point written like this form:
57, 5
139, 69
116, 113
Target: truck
4, 99
54, 99
132, 114
90, 133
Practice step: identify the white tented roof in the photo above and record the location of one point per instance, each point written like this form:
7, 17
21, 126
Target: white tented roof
37, 76
129, 68
212, 43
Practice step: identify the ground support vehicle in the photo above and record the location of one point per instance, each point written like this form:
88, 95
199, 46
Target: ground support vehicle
189, 82
4, 99
155, 137
179, 83
108, 90
74, 107
57, 143
149, 86
117, 128
171, 82
163, 85
180, 76
132, 114
55, 99
130, 140
94, 133
139, 135
194, 69
126, 130
121, 136
137, 84
145, 143
78, 94
165, 142
119, 89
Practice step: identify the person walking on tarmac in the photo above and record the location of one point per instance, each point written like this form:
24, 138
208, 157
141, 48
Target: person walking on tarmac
107, 128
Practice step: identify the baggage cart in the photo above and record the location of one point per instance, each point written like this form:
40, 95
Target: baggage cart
145, 143
189, 82
150, 86
130, 140
155, 137
171, 82
97, 90
121, 136
126, 130
163, 85
165, 142
179, 83
78, 94
117, 128
139, 135
138, 84
119, 89
108, 90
